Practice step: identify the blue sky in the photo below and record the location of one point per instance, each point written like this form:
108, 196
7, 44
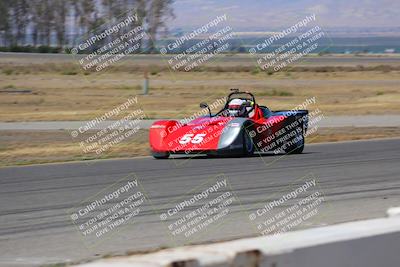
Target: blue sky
270, 14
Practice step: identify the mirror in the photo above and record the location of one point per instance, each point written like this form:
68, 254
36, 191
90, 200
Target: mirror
203, 105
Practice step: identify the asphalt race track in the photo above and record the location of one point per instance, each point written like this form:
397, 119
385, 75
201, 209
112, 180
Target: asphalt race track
358, 179
331, 121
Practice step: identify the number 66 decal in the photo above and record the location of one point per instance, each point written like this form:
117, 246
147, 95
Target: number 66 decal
194, 139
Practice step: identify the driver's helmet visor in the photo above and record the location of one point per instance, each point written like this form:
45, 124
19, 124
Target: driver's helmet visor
234, 107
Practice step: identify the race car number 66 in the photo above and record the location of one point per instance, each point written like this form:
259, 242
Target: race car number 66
194, 139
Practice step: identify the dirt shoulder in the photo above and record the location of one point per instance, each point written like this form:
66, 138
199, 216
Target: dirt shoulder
32, 147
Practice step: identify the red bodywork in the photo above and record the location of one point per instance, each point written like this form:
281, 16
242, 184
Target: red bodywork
173, 137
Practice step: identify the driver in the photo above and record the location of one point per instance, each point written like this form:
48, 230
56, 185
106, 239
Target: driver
238, 107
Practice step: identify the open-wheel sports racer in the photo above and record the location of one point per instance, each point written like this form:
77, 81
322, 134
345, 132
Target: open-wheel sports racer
241, 127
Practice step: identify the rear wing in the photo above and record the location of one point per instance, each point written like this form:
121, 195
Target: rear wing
292, 115
290, 112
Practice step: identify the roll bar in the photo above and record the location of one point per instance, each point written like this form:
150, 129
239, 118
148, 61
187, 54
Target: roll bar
236, 91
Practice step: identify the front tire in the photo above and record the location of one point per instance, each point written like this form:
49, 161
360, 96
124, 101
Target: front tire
248, 145
160, 155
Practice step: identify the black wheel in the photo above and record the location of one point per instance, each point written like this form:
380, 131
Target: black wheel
160, 155
248, 145
298, 147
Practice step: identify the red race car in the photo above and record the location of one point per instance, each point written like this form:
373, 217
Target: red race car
241, 127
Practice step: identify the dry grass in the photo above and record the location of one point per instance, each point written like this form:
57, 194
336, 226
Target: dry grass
55, 88
50, 96
28, 147
352, 133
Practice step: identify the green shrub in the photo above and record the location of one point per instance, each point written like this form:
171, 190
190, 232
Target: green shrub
284, 93
48, 49
8, 71
10, 86
275, 93
69, 72
255, 71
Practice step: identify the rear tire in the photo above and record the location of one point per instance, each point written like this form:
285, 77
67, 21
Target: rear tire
298, 147
248, 145
160, 155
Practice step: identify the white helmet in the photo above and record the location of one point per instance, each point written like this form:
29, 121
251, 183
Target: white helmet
236, 107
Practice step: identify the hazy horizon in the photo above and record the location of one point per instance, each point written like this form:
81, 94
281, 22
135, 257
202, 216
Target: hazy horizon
273, 14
